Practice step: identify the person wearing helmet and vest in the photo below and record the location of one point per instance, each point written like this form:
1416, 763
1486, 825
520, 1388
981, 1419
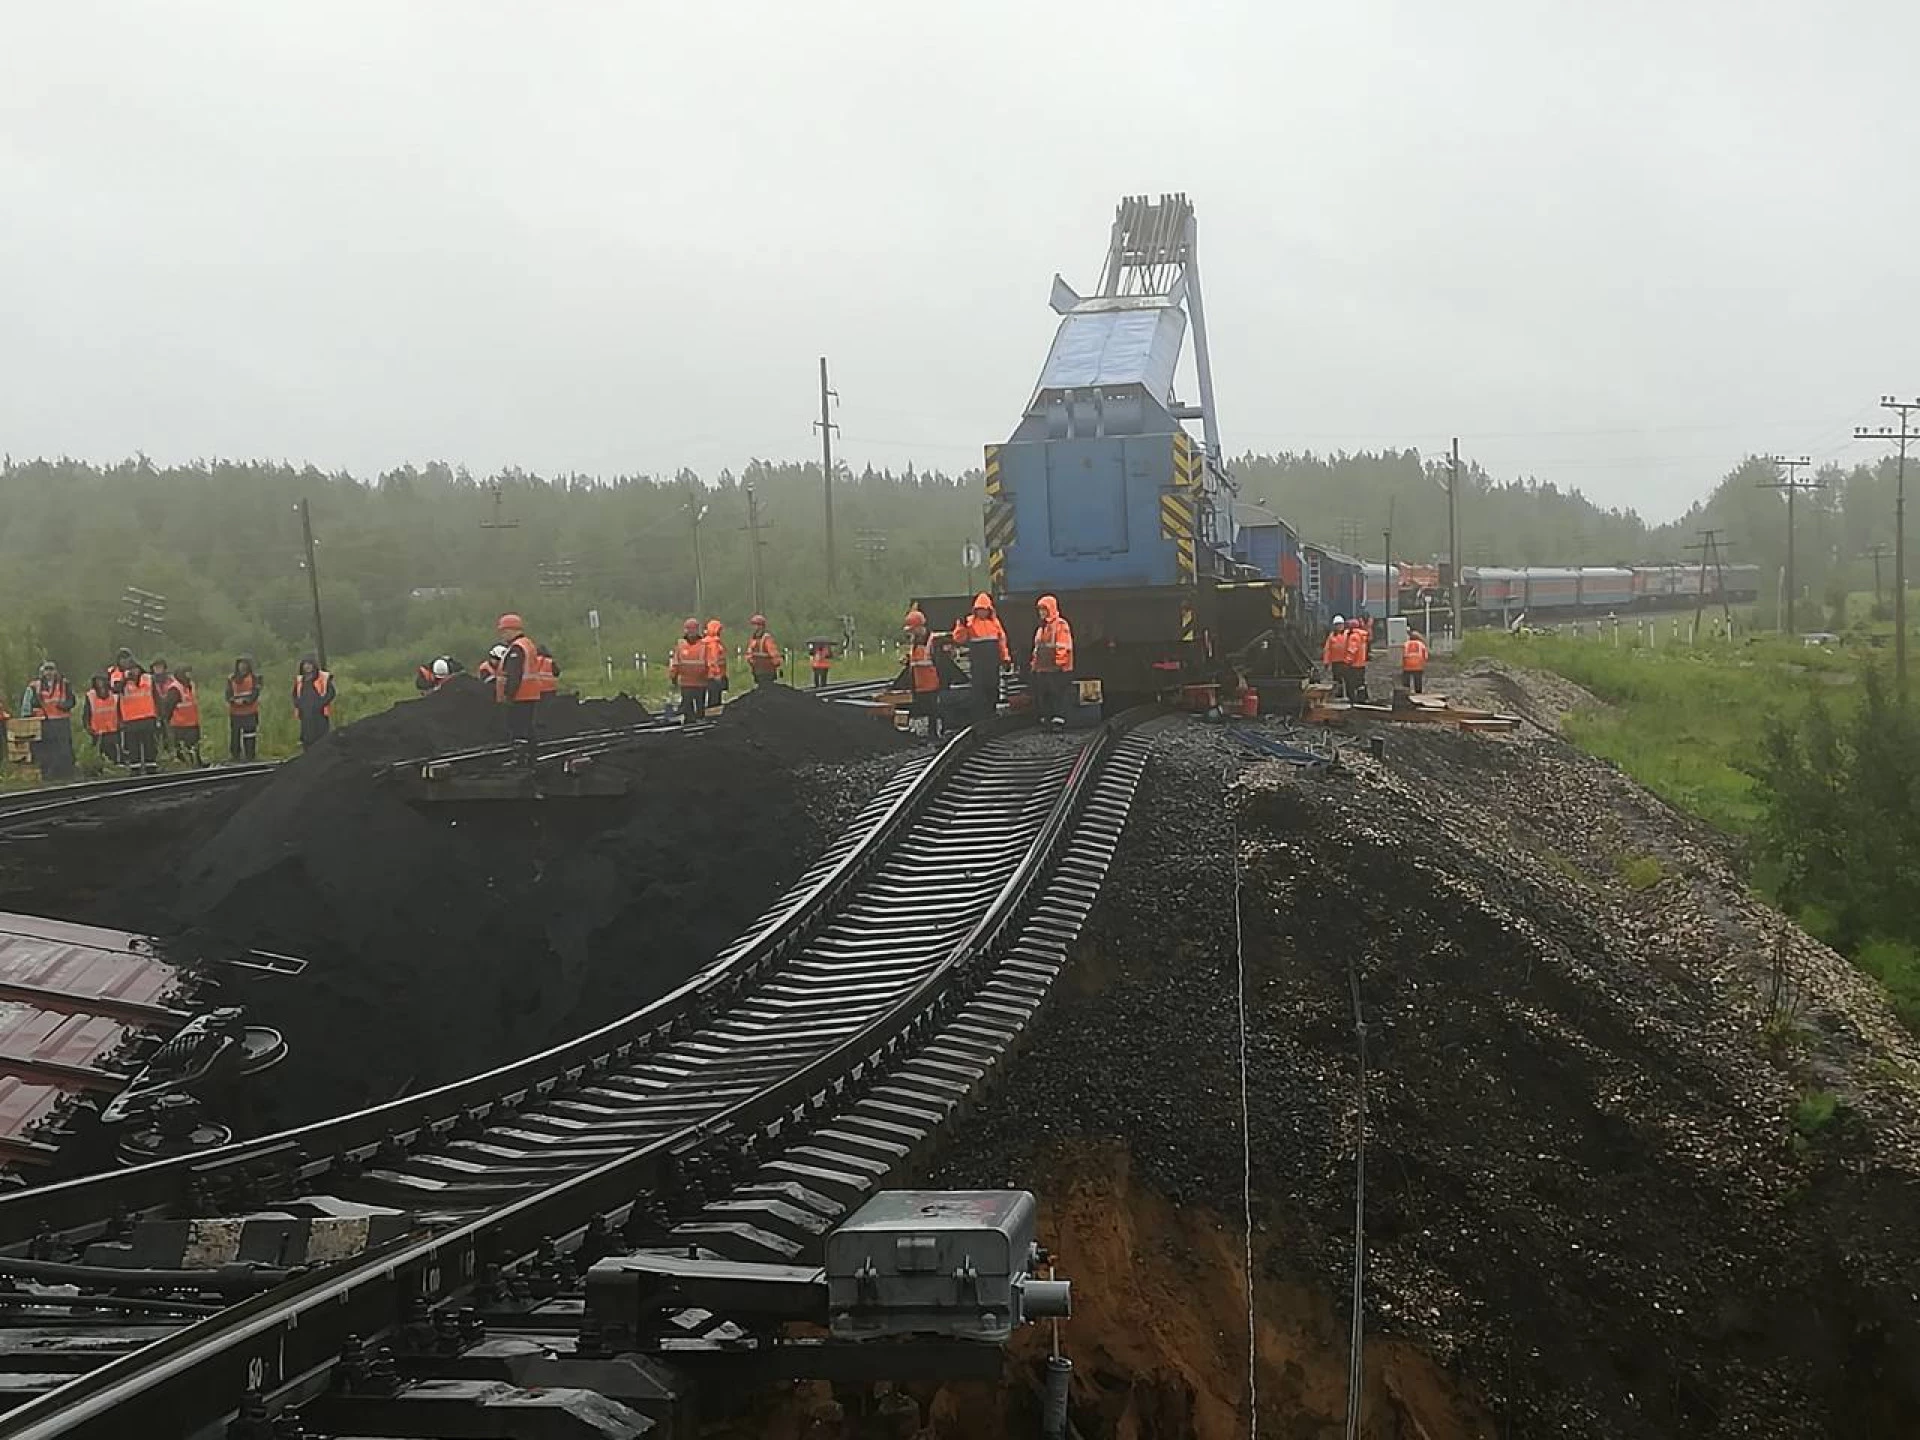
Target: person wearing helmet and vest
518, 685
820, 660
50, 700
100, 711
547, 671
763, 654
488, 670
985, 639
183, 718
139, 720
688, 671
117, 672
161, 674
716, 666
243, 711
313, 697
1333, 655
1052, 662
436, 672
1413, 663
920, 674
1359, 639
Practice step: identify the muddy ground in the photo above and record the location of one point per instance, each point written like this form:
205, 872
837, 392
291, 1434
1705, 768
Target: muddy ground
445, 938
1589, 1209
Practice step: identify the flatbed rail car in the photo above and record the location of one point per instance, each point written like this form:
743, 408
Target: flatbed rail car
1102, 498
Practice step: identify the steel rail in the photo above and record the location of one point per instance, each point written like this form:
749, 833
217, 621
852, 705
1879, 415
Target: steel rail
82, 1208
294, 1333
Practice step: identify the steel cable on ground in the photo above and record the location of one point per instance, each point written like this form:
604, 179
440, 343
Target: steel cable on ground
1246, 1127
1356, 1366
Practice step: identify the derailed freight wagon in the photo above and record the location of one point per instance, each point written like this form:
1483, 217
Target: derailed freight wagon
1102, 498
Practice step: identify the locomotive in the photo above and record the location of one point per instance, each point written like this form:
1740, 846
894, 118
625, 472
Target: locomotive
1102, 496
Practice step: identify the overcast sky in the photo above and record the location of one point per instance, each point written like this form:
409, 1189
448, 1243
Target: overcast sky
1615, 246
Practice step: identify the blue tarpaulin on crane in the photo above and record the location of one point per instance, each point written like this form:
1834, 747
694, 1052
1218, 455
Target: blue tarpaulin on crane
1137, 345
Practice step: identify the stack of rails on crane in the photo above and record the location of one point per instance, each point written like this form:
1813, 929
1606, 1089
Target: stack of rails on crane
1102, 498
441, 938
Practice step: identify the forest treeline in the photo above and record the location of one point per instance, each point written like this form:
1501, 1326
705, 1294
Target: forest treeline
420, 559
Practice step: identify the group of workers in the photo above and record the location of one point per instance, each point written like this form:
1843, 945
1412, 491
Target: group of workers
931, 662
1345, 653
131, 711
698, 667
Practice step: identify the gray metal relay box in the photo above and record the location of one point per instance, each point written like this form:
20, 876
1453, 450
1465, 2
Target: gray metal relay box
958, 1263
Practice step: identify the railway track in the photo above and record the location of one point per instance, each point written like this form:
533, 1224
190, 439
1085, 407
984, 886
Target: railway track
22, 808
740, 1117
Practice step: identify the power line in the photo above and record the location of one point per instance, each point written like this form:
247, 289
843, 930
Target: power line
1711, 551
1793, 485
1877, 552
756, 545
1906, 433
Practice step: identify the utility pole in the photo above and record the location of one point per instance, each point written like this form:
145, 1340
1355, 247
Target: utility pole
826, 427
699, 512
1386, 578
1792, 484
753, 528
1713, 552
499, 502
1877, 552
1902, 436
313, 584
1453, 531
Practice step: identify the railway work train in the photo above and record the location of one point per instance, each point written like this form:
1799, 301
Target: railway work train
1103, 498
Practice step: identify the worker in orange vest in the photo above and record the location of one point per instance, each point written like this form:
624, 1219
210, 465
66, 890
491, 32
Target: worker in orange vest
50, 700
183, 718
1333, 655
139, 720
518, 684
1052, 662
763, 653
985, 639
820, 659
100, 710
688, 671
548, 671
313, 697
922, 676
243, 710
716, 666
1359, 638
1413, 662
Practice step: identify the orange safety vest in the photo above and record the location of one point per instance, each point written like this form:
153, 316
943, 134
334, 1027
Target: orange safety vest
1357, 639
529, 688
543, 672
186, 709
1333, 651
1053, 645
246, 694
969, 628
486, 670
103, 713
1413, 655
689, 668
925, 677
822, 657
716, 658
136, 700
763, 656
321, 680
52, 702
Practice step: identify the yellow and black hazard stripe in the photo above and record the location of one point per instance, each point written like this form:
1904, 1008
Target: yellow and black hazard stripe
1187, 626
1277, 602
1186, 462
1176, 524
999, 524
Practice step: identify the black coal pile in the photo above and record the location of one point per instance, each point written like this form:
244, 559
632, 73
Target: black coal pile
1602, 1189
445, 937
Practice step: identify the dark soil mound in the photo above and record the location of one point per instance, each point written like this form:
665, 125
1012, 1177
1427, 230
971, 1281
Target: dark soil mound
446, 937
1584, 1192
796, 726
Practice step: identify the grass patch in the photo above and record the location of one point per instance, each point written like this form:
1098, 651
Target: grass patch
1813, 1112
1640, 872
1568, 870
1897, 967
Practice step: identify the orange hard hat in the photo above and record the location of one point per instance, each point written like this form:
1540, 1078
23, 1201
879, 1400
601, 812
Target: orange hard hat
510, 621
692, 627
760, 620
915, 617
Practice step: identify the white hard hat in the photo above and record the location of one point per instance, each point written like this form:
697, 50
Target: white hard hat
499, 652
1339, 619
441, 668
